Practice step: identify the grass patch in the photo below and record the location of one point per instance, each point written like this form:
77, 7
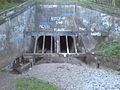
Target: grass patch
110, 48
33, 84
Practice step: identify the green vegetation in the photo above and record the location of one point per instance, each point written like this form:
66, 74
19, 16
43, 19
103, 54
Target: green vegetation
33, 84
114, 3
5, 4
110, 48
101, 6
111, 7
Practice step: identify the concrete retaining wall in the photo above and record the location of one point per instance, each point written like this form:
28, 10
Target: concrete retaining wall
12, 36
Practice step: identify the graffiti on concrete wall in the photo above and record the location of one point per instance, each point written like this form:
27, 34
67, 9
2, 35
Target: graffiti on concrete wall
98, 21
12, 33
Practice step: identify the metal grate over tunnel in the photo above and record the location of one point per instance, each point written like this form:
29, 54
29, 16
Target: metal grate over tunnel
51, 45
60, 44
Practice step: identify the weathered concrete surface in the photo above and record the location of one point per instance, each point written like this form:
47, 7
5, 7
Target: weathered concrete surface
12, 36
97, 21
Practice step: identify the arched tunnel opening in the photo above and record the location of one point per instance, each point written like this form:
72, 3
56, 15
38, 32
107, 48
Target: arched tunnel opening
45, 44
67, 44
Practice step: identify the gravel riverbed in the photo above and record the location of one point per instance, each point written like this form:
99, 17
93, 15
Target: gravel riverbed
76, 77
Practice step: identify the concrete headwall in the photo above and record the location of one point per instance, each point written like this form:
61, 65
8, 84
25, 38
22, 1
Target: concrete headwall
12, 36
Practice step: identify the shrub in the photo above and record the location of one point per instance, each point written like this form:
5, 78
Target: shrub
110, 48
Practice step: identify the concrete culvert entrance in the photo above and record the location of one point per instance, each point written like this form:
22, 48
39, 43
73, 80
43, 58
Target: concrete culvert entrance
57, 33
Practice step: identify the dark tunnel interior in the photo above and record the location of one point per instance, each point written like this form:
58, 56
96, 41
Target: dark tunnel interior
63, 47
71, 44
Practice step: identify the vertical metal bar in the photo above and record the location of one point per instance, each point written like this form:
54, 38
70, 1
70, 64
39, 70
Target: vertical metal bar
35, 45
58, 44
74, 39
67, 44
43, 46
51, 44
55, 44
